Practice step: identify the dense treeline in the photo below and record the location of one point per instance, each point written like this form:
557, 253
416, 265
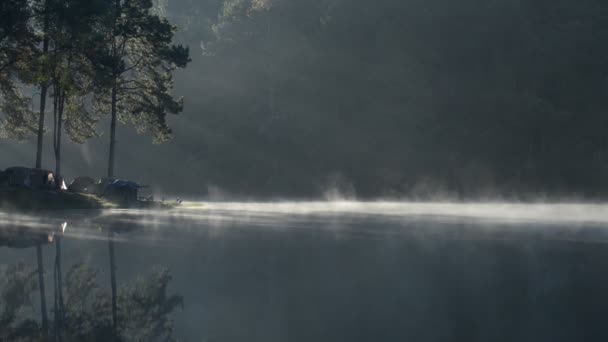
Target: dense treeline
468, 98
474, 98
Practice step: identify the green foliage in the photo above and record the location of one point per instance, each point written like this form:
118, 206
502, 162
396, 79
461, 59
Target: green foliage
140, 61
16, 45
71, 28
16, 36
98, 57
80, 121
19, 121
74, 31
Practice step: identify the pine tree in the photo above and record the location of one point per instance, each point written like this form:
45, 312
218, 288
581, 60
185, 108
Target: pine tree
74, 31
135, 80
139, 63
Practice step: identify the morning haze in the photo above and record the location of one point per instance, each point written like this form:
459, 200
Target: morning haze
303, 170
286, 98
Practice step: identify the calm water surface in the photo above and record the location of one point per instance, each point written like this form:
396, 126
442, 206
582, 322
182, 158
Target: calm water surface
352, 271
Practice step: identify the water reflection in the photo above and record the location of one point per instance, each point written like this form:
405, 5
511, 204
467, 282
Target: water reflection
86, 313
302, 272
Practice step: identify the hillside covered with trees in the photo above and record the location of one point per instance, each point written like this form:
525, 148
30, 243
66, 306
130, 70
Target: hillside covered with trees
468, 99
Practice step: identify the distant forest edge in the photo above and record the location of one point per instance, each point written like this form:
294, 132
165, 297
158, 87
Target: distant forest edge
433, 98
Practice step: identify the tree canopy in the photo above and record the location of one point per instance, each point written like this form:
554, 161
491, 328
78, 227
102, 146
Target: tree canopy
17, 41
292, 97
403, 97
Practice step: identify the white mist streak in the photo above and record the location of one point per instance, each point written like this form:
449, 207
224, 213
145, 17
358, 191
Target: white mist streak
215, 216
517, 213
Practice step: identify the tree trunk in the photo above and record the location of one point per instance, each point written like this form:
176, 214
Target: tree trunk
111, 160
110, 233
43, 91
112, 135
45, 321
58, 125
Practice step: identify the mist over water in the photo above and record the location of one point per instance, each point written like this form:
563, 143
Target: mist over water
542, 213
357, 271
287, 215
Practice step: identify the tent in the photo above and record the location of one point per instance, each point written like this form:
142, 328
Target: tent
37, 179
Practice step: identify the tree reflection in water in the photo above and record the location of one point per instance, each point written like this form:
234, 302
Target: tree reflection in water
83, 309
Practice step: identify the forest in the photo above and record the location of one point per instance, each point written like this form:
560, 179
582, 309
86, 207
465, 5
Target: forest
395, 98
291, 98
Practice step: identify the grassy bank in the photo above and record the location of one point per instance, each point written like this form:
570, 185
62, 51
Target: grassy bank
23, 199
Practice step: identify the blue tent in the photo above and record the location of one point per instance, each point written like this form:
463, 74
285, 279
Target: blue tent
120, 183
120, 190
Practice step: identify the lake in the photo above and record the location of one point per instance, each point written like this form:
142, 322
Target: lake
344, 271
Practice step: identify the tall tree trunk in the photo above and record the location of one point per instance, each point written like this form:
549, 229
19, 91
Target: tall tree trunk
58, 126
110, 232
45, 321
111, 161
112, 134
43, 91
